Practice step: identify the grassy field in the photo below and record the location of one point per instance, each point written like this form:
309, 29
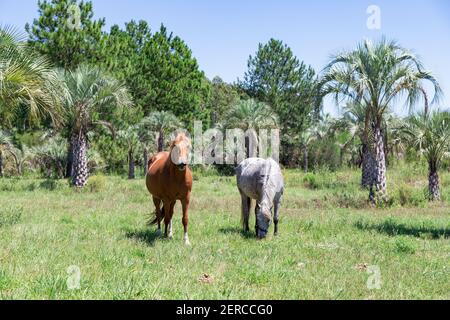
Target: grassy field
329, 241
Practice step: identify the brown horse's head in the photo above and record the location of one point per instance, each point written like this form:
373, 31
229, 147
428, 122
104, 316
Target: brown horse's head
179, 151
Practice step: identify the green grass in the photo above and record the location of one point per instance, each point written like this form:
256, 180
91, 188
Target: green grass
329, 238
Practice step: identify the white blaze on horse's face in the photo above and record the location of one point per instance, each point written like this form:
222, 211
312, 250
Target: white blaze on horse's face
263, 220
180, 152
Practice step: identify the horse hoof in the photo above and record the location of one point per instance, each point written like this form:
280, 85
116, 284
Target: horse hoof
158, 232
186, 242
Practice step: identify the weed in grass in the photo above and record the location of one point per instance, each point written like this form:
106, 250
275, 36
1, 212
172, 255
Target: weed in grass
8, 184
97, 183
310, 181
347, 199
10, 216
404, 244
53, 184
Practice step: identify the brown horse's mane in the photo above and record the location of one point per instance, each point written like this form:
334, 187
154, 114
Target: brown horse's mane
180, 137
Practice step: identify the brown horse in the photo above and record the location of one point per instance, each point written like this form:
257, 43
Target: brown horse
169, 179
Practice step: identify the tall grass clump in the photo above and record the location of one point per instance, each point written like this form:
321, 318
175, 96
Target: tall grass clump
10, 216
408, 196
310, 181
97, 183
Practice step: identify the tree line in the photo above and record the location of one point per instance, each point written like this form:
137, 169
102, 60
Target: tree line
77, 98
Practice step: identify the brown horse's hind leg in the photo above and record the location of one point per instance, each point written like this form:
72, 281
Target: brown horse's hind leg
185, 208
168, 212
157, 203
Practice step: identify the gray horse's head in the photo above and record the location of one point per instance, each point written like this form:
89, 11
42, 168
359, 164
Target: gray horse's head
263, 219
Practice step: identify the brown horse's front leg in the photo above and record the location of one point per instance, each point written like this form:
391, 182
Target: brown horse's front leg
185, 207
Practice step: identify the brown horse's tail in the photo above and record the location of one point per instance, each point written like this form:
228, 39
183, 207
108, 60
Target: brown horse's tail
155, 220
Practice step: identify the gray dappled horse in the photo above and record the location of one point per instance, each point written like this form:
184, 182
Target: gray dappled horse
261, 180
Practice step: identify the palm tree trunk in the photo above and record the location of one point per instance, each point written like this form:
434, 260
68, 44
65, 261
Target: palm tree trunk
367, 167
380, 194
80, 169
69, 165
131, 174
160, 141
386, 147
145, 161
1, 164
433, 183
305, 158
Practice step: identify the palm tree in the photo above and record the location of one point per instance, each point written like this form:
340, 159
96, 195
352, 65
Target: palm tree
376, 75
163, 122
353, 122
430, 135
130, 137
316, 132
393, 138
306, 137
251, 115
144, 137
21, 157
91, 93
51, 156
6, 146
27, 80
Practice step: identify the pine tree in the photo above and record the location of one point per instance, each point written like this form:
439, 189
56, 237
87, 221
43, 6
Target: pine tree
66, 32
277, 77
168, 79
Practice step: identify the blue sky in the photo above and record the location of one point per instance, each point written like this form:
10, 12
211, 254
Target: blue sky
222, 34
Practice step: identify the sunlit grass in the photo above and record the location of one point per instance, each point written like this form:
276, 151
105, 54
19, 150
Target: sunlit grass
324, 248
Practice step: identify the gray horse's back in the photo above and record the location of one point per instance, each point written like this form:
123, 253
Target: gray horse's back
253, 173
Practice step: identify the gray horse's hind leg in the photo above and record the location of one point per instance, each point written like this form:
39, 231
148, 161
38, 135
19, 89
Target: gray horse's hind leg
245, 210
276, 210
256, 218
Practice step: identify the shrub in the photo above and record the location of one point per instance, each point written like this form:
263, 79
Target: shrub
404, 245
226, 169
8, 184
205, 170
324, 152
10, 216
96, 183
16, 184
409, 196
310, 181
53, 184
348, 199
